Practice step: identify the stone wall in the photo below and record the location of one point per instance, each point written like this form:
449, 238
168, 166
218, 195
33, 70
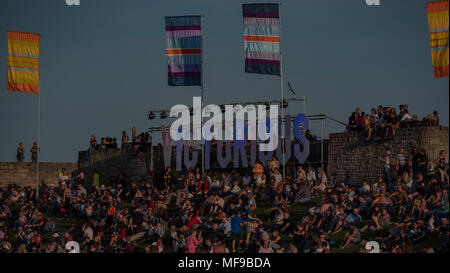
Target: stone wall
349, 152
110, 162
24, 173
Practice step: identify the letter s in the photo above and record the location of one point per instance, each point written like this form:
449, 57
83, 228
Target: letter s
301, 156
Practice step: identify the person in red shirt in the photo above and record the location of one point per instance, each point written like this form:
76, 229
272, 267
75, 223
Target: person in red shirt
194, 221
123, 233
111, 214
203, 186
192, 242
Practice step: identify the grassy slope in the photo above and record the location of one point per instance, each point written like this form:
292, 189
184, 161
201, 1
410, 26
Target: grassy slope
299, 210
296, 212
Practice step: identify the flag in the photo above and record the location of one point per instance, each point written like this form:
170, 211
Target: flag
262, 38
23, 62
184, 50
438, 27
290, 88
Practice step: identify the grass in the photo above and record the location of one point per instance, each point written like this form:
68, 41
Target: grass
299, 210
433, 242
62, 224
296, 211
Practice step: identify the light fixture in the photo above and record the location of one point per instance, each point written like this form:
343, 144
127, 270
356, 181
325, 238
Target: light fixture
163, 115
151, 115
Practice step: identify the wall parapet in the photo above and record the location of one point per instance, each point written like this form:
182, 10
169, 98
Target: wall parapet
351, 153
24, 173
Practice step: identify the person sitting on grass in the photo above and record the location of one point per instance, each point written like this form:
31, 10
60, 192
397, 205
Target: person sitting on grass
353, 236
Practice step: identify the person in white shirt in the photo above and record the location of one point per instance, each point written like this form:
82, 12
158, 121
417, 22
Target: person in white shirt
235, 189
261, 181
274, 164
322, 176
311, 174
246, 180
277, 175
365, 188
225, 226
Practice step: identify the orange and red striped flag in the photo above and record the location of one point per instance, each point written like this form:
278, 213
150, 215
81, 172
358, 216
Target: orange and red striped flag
23, 62
438, 27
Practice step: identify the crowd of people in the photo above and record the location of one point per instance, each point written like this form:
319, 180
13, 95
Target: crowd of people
384, 121
139, 143
251, 210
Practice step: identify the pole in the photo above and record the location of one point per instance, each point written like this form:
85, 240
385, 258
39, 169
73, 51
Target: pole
304, 105
38, 133
38, 144
321, 141
202, 96
282, 100
151, 150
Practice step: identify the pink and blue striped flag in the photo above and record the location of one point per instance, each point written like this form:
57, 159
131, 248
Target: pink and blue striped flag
184, 50
262, 38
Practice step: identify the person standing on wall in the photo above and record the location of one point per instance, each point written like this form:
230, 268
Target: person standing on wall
20, 155
34, 152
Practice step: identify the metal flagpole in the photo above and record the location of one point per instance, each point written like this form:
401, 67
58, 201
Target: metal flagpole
38, 145
304, 105
201, 105
282, 99
322, 116
38, 129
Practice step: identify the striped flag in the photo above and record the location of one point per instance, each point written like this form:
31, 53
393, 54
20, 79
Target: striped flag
184, 50
23, 62
262, 38
438, 27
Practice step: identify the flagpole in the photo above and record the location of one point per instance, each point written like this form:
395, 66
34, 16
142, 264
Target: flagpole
282, 99
304, 105
38, 144
38, 131
202, 96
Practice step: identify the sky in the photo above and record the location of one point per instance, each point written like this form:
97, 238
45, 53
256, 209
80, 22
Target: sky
103, 65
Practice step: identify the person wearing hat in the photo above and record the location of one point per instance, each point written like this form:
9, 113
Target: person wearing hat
34, 152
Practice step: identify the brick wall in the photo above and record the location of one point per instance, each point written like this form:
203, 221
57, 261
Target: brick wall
24, 173
109, 162
349, 152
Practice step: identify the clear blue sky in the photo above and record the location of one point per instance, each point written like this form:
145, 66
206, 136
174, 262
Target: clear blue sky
103, 65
